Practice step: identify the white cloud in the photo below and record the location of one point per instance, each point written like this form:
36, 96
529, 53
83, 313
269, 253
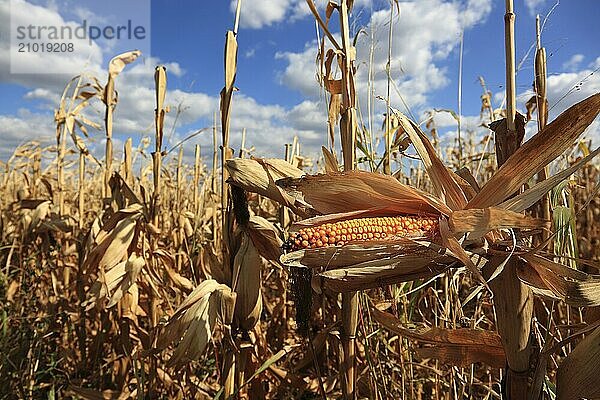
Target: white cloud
419, 45
301, 71
256, 14
534, 6
573, 63
23, 127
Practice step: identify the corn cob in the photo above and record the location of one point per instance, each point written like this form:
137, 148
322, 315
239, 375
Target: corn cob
361, 229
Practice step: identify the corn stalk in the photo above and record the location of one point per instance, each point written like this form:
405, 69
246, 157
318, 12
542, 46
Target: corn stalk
115, 66
513, 300
231, 361
348, 139
160, 81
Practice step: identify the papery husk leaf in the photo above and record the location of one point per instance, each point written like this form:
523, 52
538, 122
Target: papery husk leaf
577, 375
133, 267
117, 63
345, 280
383, 252
529, 197
331, 163
480, 221
360, 190
231, 48
468, 177
247, 283
531, 278
113, 240
443, 181
193, 322
537, 152
181, 318
452, 244
260, 176
461, 347
265, 238
574, 287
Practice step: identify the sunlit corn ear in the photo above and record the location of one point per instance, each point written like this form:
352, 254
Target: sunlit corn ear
362, 230
192, 324
259, 176
577, 376
247, 283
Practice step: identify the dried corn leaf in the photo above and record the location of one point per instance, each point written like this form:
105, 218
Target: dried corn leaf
260, 176
114, 239
265, 237
193, 322
523, 201
247, 284
118, 279
452, 244
117, 63
537, 152
461, 347
574, 287
133, 267
577, 375
480, 221
169, 264
331, 163
361, 190
231, 48
443, 181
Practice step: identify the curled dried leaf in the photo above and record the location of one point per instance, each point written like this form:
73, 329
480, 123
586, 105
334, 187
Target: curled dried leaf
461, 347
192, 324
247, 284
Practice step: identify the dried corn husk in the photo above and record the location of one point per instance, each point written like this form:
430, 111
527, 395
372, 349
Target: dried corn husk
259, 176
192, 324
247, 284
265, 237
359, 191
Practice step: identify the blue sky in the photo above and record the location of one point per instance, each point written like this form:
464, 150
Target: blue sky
278, 95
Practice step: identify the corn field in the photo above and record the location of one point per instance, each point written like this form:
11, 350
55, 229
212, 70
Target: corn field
466, 272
